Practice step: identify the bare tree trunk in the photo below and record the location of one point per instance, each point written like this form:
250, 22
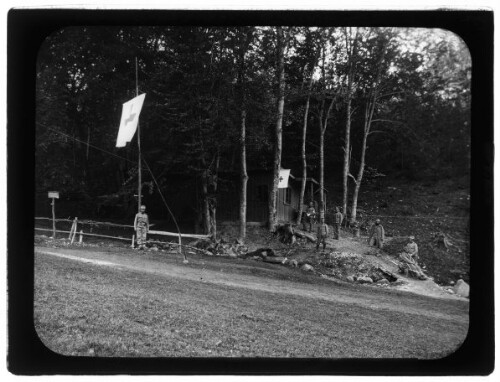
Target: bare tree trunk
243, 115
322, 129
212, 197
303, 152
359, 178
244, 177
321, 167
206, 207
347, 145
369, 111
209, 182
273, 195
351, 47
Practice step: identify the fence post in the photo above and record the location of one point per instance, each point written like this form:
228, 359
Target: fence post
71, 230
133, 239
53, 218
81, 236
74, 231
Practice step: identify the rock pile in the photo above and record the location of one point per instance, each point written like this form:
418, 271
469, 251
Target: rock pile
221, 247
353, 267
461, 288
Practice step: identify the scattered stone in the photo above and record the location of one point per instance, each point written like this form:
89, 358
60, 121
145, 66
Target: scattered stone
391, 277
262, 252
383, 282
461, 288
307, 268
350, 278
399, 282
375, 276
365, 280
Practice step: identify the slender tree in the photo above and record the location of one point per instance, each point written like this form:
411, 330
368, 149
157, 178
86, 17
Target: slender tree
280, 71
351, 44
371, 104
246, 36
304, 141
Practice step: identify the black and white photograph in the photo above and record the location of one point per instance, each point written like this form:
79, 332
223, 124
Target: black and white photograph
262, 190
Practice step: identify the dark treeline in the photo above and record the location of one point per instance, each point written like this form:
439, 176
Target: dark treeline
367, 101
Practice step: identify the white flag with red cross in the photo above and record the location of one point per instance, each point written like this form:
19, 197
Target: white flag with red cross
130, 119
283, 180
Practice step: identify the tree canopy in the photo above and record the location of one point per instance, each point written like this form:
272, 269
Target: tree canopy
191, 116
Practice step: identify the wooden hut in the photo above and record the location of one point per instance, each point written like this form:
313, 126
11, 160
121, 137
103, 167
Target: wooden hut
258, 188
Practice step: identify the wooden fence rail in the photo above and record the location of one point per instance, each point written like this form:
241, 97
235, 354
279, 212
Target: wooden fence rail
74, 229
86, 234
57, 220
188, 235
88, 222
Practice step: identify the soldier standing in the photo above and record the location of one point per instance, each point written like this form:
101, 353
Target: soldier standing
311, 215
322, 234
141, 227
377, 235
338, 217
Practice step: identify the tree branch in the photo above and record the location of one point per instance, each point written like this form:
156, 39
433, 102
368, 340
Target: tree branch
353, 178
387, 120
377, 131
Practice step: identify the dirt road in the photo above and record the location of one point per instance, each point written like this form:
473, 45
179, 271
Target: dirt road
271, 278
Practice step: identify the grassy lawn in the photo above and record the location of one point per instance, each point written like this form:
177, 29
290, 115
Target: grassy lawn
83, 309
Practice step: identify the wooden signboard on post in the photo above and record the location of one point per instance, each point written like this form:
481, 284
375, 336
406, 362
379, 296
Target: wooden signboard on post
53, 195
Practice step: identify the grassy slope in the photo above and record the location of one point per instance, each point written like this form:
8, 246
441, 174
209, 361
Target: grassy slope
81, 309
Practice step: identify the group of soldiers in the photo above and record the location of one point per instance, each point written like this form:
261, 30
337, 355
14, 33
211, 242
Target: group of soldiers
376, 237
409, 257
322, 229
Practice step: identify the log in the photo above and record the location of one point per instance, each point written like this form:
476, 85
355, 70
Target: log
305, 235
274, 260
262, 252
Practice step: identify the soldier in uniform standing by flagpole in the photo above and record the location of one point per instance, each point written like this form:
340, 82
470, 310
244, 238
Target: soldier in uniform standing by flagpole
141, 227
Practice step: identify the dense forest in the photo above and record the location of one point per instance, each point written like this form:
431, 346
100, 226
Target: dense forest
342, 105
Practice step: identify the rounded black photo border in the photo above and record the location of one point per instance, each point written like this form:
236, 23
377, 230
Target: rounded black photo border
26, 355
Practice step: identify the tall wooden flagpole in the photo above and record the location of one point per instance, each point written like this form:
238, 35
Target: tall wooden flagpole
139, 173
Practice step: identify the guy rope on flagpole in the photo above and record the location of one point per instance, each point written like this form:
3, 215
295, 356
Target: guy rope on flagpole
170, 212
128, 125
139, 173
